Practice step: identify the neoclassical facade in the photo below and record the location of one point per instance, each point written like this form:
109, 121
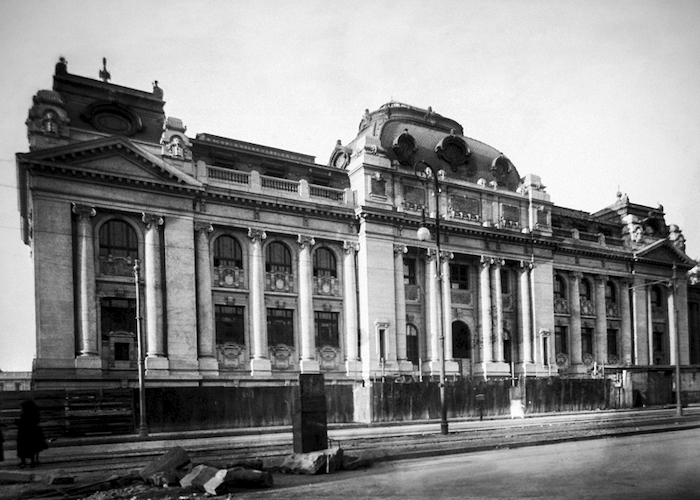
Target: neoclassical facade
244, 264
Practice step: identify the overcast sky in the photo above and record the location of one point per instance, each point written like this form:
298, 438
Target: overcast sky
589, 95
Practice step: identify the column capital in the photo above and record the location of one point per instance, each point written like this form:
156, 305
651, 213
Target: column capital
526, 265
256, 235
498, 262
486, 261
400, 249
447, 256
306, 241
350, 246
601, 278
203, 227
577, 275
151, 220
430, 253
84, 211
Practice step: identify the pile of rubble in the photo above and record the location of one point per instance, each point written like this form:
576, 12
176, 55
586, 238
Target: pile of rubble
174, 475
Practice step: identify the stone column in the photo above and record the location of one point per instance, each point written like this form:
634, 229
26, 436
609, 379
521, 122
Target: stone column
308, 362
575, 306
625, 324
433, 309
672, 325
206, 339
486, 321
497, 294
260, 364
525, 312
87, 307
447, 304
400, 309
601, 322
155, 353
352, 365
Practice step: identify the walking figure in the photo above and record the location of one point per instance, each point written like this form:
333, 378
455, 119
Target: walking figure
30, 437
480, 398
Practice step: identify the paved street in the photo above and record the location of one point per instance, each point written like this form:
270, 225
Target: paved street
658, 466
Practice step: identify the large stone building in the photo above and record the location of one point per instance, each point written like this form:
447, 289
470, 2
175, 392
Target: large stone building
257, 264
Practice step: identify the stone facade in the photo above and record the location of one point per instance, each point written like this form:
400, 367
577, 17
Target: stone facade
257, 264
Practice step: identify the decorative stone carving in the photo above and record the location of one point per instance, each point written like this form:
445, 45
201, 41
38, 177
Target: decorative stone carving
281, 356
676, 237
151, 220
306, 241
257, 235
174, 142
84, 211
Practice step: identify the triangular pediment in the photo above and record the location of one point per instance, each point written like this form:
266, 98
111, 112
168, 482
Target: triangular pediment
114, 157
664, 251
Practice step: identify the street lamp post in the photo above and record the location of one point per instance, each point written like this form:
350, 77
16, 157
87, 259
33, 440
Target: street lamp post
143, 428
423, 234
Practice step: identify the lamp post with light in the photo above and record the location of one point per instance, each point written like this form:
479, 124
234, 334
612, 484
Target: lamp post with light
423, 234
143, 428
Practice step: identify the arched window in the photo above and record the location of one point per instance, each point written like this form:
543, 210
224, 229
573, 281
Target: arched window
118, 239
412, 344
559, 287
227, 252
278, 259
324, 263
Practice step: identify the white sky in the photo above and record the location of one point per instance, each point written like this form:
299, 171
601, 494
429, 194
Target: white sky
589, 95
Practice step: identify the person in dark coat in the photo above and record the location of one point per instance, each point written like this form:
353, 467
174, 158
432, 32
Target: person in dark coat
30, 437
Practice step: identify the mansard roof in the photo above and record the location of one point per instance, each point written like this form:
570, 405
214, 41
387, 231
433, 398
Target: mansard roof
409, 135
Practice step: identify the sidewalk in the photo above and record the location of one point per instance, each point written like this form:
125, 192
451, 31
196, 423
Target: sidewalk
96, 458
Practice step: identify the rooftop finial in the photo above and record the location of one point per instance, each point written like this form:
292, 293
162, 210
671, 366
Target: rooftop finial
104, 74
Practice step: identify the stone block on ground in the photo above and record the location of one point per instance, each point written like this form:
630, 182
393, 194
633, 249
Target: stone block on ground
253, 463
315, 462
60, 477
174, 458
226, 480
198, 476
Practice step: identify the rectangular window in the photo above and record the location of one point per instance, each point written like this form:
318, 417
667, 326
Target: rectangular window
280, 327
511, 213
412, 344
118, 315
121, 351
378, 186
229, 324
587, 340
465, 206
326, 324
612, 342
382, 346
459, 276
561, 341
414, 196
505, 282
409, 271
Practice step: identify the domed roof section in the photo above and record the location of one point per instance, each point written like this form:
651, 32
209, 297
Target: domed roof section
409, 135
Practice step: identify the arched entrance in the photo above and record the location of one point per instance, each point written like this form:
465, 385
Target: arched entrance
461, 340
